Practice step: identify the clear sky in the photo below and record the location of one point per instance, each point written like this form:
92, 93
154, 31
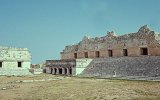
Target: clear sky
45, 27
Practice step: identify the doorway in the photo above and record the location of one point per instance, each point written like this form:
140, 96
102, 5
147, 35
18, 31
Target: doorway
60, 70
110, 53
86, 54
144, 51
65, 71
97, 54
70, 71
75, 55
125, 52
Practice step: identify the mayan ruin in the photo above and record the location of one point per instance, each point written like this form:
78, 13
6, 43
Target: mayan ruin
79, 50
14, 61
129, 55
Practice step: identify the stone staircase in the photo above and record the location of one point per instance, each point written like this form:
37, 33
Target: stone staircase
142, 66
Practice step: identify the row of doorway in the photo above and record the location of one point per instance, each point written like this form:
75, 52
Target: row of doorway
61, 71
143, 51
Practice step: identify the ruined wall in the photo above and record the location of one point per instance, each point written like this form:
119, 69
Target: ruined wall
133, 42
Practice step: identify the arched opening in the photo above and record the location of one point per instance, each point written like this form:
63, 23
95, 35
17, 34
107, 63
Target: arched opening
60, 70
65, 71
70, 71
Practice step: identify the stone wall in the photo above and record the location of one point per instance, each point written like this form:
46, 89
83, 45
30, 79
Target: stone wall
15, 72
14, 64
143, 66
38, 71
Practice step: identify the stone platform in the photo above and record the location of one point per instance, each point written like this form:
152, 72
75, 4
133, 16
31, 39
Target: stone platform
123, 67
15, 72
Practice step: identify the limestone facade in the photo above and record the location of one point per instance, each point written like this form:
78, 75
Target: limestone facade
14, 61
143, 42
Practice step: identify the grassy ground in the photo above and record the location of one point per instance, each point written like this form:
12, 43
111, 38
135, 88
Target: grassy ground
71, 88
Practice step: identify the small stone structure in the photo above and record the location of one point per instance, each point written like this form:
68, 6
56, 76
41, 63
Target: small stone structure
60, 67
14, 61
37, 68
143, 42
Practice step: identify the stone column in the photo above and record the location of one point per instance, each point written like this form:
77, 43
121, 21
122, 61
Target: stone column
63, 71
48, 70
57, 71
68, 71
53, 71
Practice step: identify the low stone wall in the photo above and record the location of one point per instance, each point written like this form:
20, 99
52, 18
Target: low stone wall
36, 70
15, 72
143, 66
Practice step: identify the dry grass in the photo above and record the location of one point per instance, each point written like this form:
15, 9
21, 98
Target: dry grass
71, 88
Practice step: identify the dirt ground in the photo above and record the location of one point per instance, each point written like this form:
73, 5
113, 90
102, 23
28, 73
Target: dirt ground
50, 87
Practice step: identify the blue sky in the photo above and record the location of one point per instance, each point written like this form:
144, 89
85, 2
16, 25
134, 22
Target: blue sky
45, 27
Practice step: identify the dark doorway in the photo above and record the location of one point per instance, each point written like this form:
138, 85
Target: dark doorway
70, 71
144, 51
65, 71
55, 70
97, 54
19, 64
125, 52
86, 54
75, 55
60, 70
110, 53
0, 64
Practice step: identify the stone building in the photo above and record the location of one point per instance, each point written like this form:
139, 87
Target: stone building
143, 42
14, 61
60, 67
134, 56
